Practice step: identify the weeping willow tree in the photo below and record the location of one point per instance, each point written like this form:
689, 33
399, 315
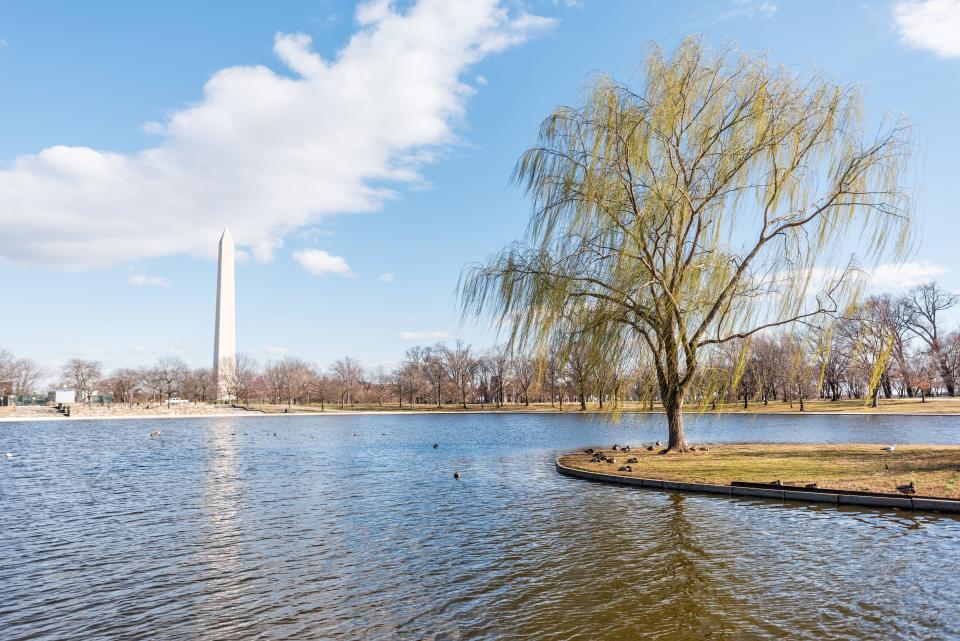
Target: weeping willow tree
700, 207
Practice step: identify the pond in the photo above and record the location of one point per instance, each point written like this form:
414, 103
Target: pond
352, 527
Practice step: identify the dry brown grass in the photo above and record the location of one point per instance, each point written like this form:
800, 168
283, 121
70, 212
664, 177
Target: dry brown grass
934, 469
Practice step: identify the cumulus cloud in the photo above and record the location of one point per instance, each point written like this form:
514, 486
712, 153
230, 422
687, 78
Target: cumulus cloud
139, 280
419, 336
894, 276
265, 151
319, 262
386, 277
930, 24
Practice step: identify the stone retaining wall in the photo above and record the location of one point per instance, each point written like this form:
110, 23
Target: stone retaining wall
871, 500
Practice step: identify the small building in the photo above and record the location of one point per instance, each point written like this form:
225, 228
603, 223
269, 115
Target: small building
65, 396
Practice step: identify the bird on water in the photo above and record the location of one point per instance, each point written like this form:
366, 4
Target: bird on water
8, 455
456, 476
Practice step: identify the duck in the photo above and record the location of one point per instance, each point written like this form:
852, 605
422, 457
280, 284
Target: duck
436, 445
659, 443
650, 449
889, 448
589, 450
910, 488
632, 459
625, 468
615, 447
155, 434
8, 455
456, 476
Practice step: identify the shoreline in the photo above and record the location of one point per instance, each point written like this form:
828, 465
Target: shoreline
930, 471
788, 494
13, 418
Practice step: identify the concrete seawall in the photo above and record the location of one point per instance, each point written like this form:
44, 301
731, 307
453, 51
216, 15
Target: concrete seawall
919, 504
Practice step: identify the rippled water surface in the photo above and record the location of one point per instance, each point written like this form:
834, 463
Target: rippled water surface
352, 527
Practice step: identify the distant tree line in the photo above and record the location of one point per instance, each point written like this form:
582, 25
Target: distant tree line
884, 347
18, 376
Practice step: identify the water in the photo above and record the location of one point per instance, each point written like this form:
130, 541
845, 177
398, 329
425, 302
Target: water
352, 527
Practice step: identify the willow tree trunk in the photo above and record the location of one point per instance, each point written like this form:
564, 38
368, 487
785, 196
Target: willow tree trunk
676, 440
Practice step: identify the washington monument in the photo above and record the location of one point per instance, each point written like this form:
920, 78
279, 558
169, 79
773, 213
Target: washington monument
225, 336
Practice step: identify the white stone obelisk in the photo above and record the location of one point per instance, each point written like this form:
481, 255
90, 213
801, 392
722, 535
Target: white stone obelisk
225, 337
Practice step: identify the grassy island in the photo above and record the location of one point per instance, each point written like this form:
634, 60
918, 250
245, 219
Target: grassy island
935, 470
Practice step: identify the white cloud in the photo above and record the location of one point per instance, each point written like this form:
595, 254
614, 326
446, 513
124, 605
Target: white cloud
750, 9
139, 280
319, 262
419, 336
386, 277
930, 24
264, 151
894, 276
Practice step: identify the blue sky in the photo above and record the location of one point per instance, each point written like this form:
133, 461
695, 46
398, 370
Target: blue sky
382, 136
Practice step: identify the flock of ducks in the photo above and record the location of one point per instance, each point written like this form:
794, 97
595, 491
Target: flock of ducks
600, 457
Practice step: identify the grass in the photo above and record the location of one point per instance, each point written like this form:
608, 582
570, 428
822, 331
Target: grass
934, 469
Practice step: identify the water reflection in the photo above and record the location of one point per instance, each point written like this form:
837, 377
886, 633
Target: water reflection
221, 530
353, 528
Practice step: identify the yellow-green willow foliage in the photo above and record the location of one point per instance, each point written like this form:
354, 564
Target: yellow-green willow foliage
700, 207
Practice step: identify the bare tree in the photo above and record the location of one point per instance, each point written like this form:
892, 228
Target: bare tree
578, 372
241, 378
381, 383
83, 376
922, 305
322, 389
524, 369
435, 369
499, 373
348, 373
868, 337
169, 373
199, 383
6, 368
26, 376
460, 368
124, 383
483, 374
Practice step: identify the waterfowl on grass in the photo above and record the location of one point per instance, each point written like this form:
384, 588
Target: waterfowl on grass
910, 488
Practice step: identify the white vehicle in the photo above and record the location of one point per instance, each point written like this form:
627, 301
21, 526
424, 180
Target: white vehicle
177, 401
